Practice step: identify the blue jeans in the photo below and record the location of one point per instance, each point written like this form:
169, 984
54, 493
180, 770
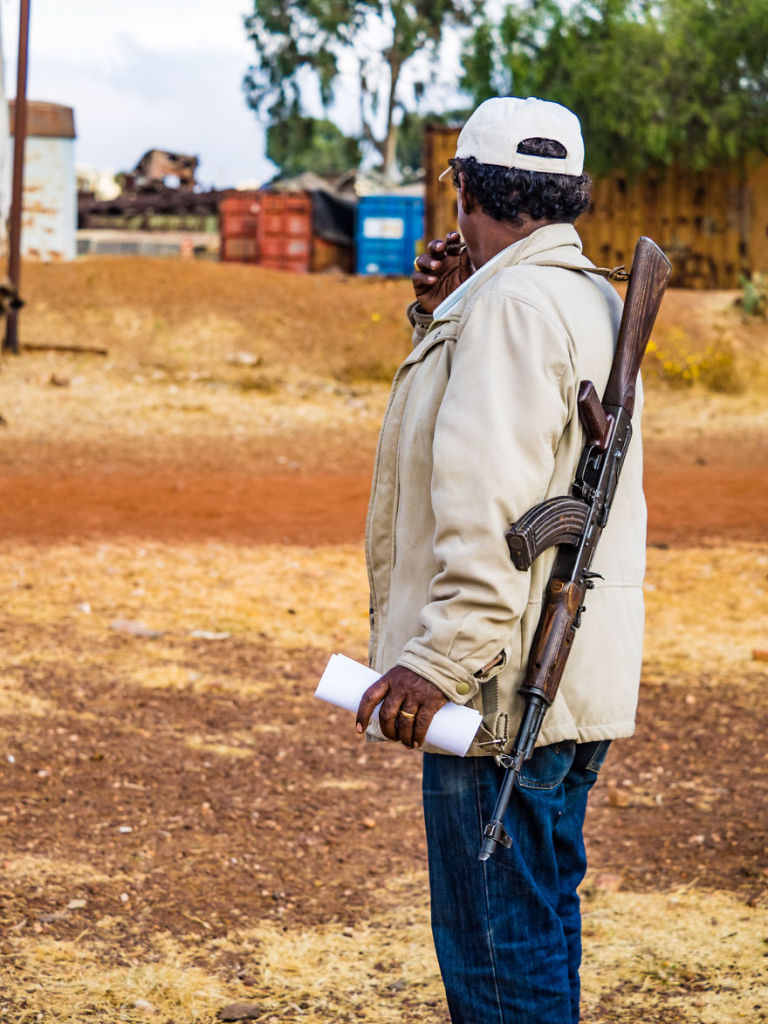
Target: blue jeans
507, 931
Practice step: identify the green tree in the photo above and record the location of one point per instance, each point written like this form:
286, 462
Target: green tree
679, 81
299, 144
305, 44
717, 80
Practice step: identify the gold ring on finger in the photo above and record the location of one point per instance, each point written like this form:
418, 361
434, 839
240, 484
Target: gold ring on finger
416, 266
408, 714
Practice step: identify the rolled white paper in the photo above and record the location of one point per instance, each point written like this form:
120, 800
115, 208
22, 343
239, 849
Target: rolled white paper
345, 681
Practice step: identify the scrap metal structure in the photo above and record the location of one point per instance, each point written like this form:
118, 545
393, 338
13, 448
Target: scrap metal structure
159, 194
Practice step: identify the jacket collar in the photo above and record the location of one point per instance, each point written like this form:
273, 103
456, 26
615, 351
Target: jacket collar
558, 242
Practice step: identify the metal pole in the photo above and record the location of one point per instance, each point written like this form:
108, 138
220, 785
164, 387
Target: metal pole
11, 341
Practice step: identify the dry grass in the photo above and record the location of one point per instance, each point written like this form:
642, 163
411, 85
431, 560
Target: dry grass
199, 350
699, 955
706, 612
200, 319
706, 608
292, 596
69, 981
700, 960
236, 354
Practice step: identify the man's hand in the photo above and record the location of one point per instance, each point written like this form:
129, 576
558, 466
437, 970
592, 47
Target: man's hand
440, 270
410, 704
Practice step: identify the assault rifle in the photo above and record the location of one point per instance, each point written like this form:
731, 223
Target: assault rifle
576, 523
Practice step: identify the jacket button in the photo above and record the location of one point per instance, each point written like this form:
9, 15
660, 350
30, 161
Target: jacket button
463, 688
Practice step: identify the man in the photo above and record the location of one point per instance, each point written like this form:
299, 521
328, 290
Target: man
482, 424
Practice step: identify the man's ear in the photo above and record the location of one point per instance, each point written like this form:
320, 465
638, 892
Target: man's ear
466, 198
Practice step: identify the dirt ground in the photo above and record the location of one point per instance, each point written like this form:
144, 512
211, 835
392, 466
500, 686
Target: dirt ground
181, 551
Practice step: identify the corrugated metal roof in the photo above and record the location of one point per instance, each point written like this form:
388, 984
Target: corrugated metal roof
45, 120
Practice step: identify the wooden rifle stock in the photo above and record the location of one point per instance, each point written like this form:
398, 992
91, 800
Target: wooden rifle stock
576, 522
647, 284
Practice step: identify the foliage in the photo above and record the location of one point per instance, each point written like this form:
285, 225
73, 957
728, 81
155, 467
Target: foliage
754, 294
679, 81
301, 45
717, 79
677, 365
300, 144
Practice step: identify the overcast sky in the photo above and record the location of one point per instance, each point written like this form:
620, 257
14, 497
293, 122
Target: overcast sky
145, 74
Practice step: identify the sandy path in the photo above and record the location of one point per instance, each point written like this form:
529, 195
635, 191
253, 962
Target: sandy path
716, 490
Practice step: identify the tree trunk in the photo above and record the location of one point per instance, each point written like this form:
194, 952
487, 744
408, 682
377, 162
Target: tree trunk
389, 151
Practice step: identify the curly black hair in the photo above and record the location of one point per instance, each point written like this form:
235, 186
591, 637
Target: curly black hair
506, 192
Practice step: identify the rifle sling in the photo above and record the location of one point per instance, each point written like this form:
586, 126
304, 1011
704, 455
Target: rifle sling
612, 274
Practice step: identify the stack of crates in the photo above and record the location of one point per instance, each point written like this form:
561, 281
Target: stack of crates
239, 220
273, 229
388, 234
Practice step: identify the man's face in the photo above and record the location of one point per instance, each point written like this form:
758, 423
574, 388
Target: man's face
467, 222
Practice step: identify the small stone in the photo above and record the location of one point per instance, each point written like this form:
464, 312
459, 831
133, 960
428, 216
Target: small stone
369, 822
618, 798
134, 628
244, 359
241, 1010
759, 655
77, 904
608, 883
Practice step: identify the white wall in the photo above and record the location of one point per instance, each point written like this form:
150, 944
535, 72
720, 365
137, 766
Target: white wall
49, 204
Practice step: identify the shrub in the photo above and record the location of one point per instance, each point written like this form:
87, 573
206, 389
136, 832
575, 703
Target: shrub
754, 295
714, 368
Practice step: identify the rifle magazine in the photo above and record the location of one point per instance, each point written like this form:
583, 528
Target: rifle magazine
557, 521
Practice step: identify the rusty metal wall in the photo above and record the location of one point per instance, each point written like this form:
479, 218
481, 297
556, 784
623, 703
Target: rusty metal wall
712, 225
239, 219
46, 120
440, 196
273, 229
285, 231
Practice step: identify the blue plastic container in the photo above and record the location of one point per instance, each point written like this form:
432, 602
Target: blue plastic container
388, 231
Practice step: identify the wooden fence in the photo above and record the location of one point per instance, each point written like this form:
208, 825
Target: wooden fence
713, 226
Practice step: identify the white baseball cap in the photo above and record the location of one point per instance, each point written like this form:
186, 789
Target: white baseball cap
497, 127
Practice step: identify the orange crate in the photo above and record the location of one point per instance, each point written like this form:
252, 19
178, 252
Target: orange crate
273, 229
239, 219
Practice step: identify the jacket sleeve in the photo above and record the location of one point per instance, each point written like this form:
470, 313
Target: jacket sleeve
510, 394
420, 320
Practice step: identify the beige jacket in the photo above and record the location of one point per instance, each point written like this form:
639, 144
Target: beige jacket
482, 425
